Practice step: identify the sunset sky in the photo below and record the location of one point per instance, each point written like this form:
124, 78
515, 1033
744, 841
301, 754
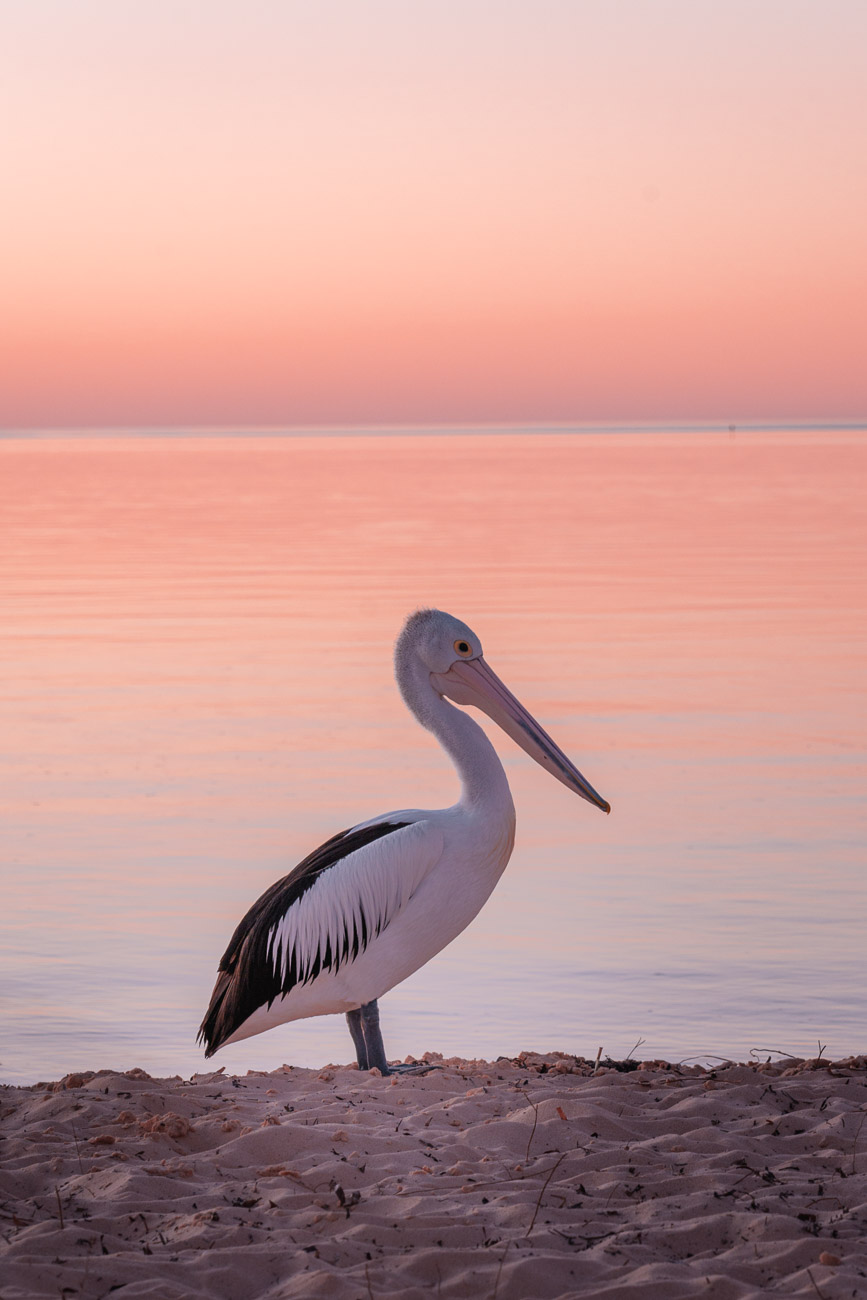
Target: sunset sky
292, 212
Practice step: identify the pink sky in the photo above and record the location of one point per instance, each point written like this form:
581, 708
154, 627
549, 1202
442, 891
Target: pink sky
319, 212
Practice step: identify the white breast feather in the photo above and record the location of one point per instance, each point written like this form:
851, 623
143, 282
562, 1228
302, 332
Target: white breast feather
378, 880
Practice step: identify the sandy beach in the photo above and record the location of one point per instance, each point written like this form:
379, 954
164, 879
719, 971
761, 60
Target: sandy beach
532, 1177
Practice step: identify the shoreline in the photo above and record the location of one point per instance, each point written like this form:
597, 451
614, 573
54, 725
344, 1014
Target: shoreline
542, 1175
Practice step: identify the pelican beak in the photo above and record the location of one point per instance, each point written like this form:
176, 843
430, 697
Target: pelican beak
471, 681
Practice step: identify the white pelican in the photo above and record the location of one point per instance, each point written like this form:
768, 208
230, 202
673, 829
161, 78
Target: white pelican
374, 903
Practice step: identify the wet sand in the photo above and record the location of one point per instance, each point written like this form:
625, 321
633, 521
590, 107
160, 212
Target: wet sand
533, 1177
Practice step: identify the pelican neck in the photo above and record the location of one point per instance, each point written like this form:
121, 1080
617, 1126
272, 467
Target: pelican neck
482, 776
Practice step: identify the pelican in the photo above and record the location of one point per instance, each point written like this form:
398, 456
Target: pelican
376, 902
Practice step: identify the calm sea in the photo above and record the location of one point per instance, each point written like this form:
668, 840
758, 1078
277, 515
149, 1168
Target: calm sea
195, 675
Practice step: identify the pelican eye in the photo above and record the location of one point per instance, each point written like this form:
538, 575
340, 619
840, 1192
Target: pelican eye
464, 648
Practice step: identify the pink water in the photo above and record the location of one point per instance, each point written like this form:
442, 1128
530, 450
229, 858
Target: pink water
195, 686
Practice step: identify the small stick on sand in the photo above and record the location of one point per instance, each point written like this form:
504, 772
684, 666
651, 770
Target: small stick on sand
77, 1147
598, 1059
773, 1051
533, 1129
855, 1143
551, 1172
499, 1271
59, 1207
820, 1294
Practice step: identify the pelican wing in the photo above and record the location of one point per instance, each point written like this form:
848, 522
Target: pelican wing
319, 917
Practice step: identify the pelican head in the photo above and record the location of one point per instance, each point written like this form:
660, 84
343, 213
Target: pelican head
452, 654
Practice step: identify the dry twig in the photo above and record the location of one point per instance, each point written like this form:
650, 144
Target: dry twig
551, 1172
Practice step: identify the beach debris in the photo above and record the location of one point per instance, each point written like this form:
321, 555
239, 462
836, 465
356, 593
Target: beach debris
169, 1125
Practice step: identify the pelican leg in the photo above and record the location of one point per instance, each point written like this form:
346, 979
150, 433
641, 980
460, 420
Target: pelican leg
353, 1019
369, 1048
374, 1046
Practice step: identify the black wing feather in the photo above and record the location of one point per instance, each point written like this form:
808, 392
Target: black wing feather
248, 977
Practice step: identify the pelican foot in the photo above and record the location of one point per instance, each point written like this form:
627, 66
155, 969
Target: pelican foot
367, 1037
416, 1067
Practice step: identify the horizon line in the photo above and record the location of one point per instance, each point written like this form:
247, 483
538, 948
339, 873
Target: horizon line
434, 428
